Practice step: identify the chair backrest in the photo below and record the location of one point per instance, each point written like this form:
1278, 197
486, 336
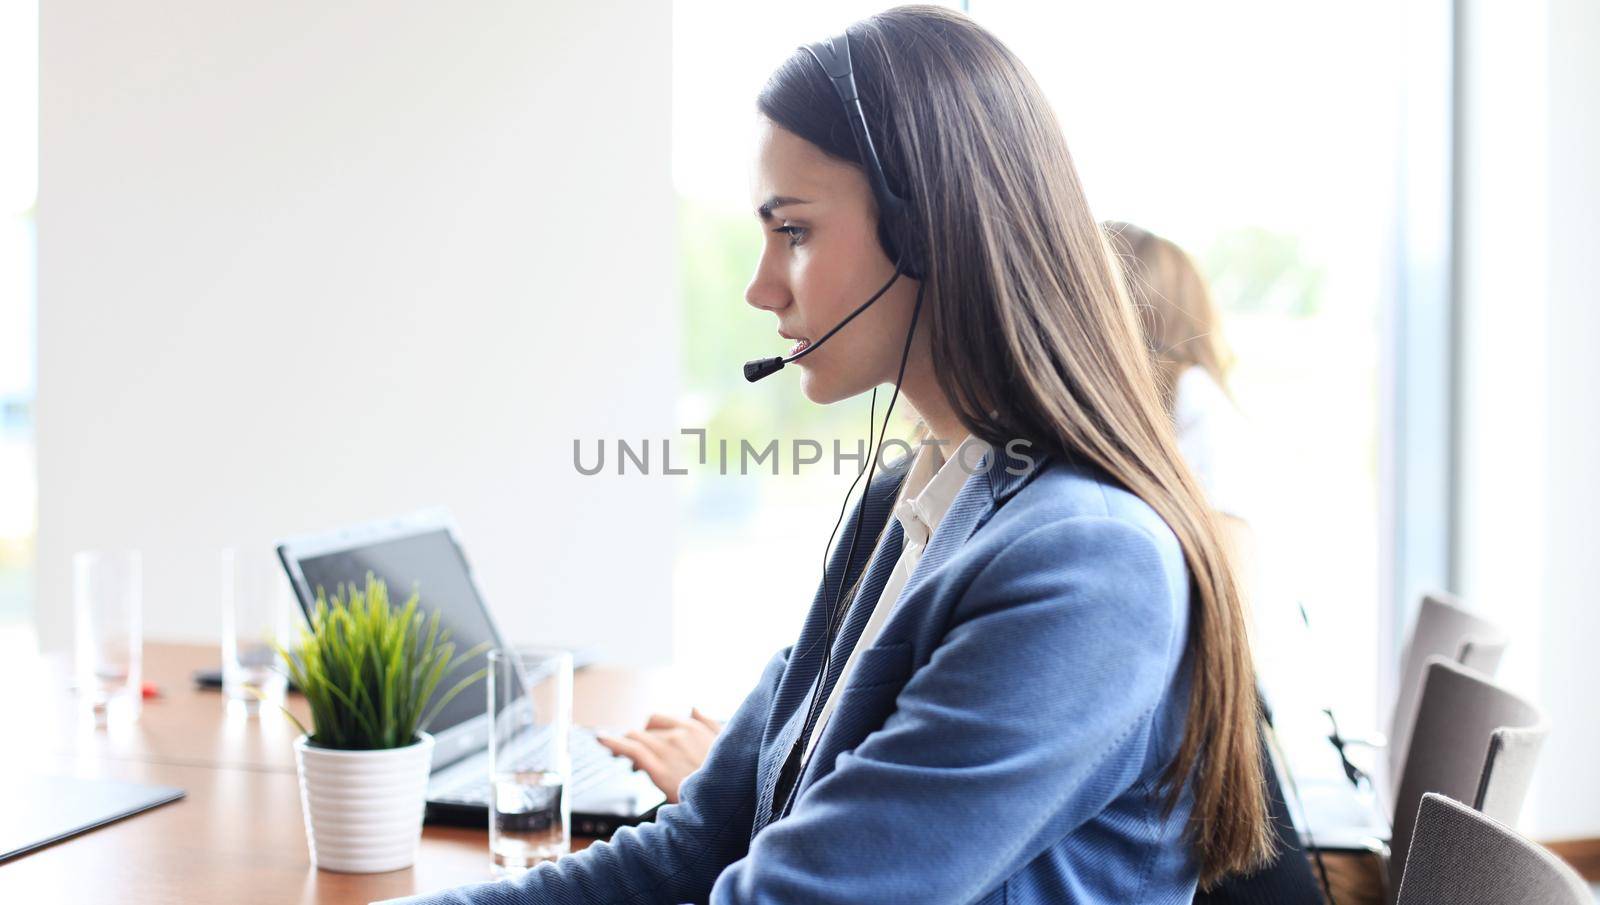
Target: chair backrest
1508, 770
1473, 741
1464, 858
1442, 629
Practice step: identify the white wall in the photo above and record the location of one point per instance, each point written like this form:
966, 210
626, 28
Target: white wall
302, 264
1531, 413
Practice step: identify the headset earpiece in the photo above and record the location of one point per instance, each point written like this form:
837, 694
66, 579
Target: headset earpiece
895, 215
898, 240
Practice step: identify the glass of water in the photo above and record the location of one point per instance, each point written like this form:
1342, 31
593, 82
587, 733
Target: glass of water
530, 713
255, 615
107, 599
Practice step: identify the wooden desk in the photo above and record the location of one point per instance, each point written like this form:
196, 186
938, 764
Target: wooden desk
238, 836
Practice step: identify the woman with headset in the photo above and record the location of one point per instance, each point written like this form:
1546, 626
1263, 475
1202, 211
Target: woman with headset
1025, 676
1183, 334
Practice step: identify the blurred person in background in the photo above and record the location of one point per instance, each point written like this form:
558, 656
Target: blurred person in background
1183, 331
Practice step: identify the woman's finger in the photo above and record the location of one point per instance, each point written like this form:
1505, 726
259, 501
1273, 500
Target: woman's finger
713, 725
662, 721
651, 740
651, 757
643, 758
676, 739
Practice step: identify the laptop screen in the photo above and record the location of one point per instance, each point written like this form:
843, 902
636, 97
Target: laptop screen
430, 563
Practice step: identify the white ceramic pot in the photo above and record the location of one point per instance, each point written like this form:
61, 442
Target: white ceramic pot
363, 809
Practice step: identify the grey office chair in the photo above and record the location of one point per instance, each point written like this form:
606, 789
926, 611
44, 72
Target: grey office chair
1442, 629
1464, 858
1473, 741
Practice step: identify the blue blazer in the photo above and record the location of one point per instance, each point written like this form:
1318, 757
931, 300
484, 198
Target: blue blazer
1001, 742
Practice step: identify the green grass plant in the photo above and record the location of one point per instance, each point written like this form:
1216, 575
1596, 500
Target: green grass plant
370, 670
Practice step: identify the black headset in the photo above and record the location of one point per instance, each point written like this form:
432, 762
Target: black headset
899, 243
894, 211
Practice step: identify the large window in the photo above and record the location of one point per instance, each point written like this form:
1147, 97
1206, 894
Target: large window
1244, 132
1240, 130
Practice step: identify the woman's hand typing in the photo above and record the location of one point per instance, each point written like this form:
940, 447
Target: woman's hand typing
668, 749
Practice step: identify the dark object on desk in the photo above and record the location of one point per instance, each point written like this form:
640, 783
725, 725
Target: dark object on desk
212, 678
40, 810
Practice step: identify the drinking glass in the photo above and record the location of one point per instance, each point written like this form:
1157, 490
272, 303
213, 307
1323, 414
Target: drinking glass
256, 611
107, 598
530, 713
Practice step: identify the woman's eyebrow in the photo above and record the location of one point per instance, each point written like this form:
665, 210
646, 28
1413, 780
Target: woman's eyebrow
775, 202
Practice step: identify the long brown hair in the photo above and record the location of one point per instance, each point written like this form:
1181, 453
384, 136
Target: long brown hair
1033, 336
1180, 321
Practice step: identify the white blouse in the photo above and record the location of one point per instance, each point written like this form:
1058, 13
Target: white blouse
1214, 439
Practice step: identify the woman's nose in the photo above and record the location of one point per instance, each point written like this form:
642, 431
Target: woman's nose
766, 291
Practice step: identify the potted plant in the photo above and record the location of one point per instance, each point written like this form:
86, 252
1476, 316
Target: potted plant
370, 672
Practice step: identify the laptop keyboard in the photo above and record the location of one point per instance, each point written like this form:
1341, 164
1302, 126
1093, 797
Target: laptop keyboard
467, 781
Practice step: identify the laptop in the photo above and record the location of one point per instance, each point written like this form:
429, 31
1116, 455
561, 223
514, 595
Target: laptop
422, 550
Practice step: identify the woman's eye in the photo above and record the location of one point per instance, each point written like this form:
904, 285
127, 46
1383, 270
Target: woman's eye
795, 233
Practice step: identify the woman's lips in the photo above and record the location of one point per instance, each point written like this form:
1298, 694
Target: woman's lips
799, 347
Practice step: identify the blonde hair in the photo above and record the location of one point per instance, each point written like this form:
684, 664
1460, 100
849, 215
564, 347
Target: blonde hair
1181, 326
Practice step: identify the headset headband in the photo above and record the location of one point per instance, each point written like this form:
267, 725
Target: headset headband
833, 55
